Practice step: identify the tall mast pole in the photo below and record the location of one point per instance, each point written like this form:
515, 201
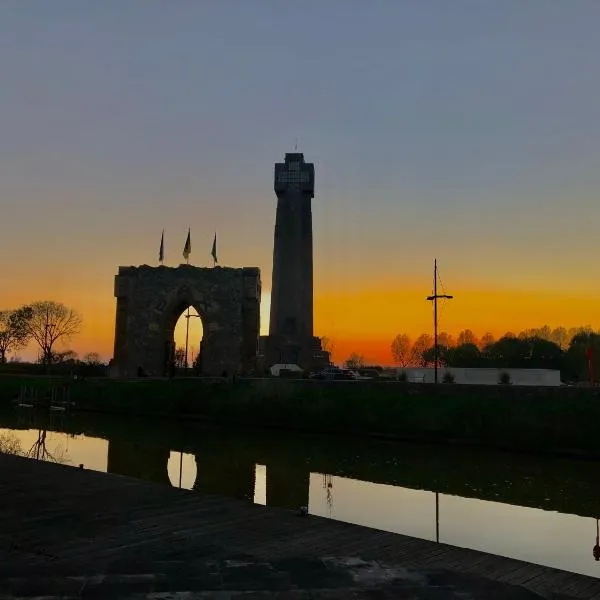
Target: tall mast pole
434, 299
435, 323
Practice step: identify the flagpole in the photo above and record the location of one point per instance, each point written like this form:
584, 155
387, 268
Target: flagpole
214, 250
187, 249
187, 334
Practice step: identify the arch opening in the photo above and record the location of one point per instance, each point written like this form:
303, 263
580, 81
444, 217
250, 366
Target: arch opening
186, 335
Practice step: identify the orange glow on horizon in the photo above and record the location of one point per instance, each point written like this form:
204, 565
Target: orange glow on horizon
363, 321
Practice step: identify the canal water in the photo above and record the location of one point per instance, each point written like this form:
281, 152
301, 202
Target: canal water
538, 509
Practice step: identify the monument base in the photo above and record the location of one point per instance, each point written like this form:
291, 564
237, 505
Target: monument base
307, 354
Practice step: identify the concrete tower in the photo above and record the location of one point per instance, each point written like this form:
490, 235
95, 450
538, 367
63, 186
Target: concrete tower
291, 324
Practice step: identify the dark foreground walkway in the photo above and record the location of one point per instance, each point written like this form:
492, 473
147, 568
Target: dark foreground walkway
69, 533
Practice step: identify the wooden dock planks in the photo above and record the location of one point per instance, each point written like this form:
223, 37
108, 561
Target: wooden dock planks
66, 520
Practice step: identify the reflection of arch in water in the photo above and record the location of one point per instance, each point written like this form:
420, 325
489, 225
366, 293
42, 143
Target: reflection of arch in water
225, 474
234, 475
138, 460
182, 470
222, 472
287, 485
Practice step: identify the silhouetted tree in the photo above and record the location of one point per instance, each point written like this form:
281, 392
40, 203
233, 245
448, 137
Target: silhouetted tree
543, 333
574, 331
545, 354
526, 353
560, 336
423, 343
180, 358
13, 330
576, 362
429, 356
466, 336
509, 352
445, 339
486, 340
355, 361
466, 355
92, 359
402, 349
64, 357
50, 322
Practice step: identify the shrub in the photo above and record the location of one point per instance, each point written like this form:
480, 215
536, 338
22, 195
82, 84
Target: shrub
448, 377
504, 378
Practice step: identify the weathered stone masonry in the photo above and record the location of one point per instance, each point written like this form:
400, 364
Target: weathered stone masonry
150, 300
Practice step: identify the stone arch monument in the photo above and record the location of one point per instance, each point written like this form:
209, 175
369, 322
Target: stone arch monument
150, 300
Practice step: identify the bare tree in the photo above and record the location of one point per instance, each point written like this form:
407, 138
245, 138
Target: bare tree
355, 360
423, 343
39, 451
445, 339
50, 322
92, 359
466, 336
180, 358
561, 337
487, 339
573, 331
402, 349
13, 330
64, 357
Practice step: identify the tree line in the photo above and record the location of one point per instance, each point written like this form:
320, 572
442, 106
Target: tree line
539, 348
45, 323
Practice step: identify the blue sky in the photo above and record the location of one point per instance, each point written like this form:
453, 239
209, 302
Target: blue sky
466, 129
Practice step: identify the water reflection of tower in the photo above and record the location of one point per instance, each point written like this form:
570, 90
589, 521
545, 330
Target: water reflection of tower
328, 487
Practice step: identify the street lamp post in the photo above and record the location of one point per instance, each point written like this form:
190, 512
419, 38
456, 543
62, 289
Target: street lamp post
187, 334
434, 298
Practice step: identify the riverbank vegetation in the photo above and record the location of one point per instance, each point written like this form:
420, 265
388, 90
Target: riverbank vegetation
560, 419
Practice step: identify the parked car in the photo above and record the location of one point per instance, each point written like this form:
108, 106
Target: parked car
334, 373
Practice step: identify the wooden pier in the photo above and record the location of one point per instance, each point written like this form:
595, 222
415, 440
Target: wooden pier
72, 533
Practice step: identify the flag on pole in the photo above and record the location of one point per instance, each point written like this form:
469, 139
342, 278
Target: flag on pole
161, 252
214, 249
187, 249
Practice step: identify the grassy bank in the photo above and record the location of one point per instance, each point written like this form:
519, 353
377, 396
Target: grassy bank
534, 419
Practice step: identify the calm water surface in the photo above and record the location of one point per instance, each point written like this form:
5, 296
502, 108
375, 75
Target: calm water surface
540, 510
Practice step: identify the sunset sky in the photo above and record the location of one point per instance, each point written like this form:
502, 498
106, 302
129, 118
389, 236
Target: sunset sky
465, 130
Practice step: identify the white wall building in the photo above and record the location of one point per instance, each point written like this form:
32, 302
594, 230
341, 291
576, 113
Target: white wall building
536, 377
